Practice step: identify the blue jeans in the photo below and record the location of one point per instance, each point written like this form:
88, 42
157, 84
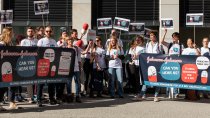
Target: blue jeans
144, 89
76, 77
116, 73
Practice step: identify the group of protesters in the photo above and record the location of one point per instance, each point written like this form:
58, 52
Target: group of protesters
96, 61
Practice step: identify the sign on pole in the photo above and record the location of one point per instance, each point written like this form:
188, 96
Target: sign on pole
136, 28
167, 23
6, 16
121, 24
41, 7
194, 19
104, 23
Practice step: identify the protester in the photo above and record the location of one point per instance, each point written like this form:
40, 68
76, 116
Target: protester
61, 42
174, 48
6, 40
47, 41
153, 48
76, 74
191, 50
77, 42
98, 68
87, 64
115, 55
30, 41
39, 32
114, 33
136, 49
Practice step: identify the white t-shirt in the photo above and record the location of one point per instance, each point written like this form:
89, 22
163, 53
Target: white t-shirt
120, 43
100, 53
154, 49
46, 42
189, 51
204, 50
77, 58
62, 43
115, 63
209, 45
175, 49
137, 51
29, 42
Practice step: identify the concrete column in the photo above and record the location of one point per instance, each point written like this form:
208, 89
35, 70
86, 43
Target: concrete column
1, 8
169, 9
81, 13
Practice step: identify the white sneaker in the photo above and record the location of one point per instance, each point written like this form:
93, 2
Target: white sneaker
156, 99
2, 109
143, 97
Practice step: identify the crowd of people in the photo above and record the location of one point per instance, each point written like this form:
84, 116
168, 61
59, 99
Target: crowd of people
101, 65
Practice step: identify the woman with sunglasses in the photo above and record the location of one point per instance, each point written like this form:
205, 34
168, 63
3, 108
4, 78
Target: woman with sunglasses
98, 68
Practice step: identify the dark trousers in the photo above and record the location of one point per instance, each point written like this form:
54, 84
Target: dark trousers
2, 91
51, 91
96, 82
87, 67
59, 90
12, 91
133, 73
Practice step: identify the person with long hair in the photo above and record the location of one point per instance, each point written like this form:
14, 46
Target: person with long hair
76, 74
6, 40
99, 65
135, 50
115, 54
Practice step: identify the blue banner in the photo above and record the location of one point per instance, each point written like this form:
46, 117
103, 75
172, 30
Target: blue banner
184, 71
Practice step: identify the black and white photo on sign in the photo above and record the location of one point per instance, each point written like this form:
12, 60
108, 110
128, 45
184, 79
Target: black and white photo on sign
121, 24
6, 16
41, 7
136, 28
194, 19
167, 23
104, 23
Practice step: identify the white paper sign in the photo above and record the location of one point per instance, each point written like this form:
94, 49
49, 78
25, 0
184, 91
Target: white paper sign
6, 16
104, 23
91, 35
121, 24
136, 28
167, 23
41, 7
194, 19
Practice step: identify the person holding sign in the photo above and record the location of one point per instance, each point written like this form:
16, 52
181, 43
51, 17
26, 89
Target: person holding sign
115, 56
6, 40
191, 50
30, 41
47, 41
153, 48
174, 48
76, 74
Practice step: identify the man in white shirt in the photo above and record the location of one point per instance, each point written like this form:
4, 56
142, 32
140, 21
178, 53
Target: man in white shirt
47, 41
30, 41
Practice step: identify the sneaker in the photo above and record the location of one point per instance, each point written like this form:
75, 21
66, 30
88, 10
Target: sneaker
13, 105
78, 100
156, 99
70, 99
39, 104
176, 96
143, 97
137, 98
121, 97
53, 102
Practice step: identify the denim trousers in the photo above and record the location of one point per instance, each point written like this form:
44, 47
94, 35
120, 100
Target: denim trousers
116, 73
76, 77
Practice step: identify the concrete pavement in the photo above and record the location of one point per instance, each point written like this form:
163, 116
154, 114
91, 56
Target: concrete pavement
116, 108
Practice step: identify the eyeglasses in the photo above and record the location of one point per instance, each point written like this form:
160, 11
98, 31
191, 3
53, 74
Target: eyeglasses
48, 31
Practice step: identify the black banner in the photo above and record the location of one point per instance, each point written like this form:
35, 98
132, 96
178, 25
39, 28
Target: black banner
187, 72
31, 65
